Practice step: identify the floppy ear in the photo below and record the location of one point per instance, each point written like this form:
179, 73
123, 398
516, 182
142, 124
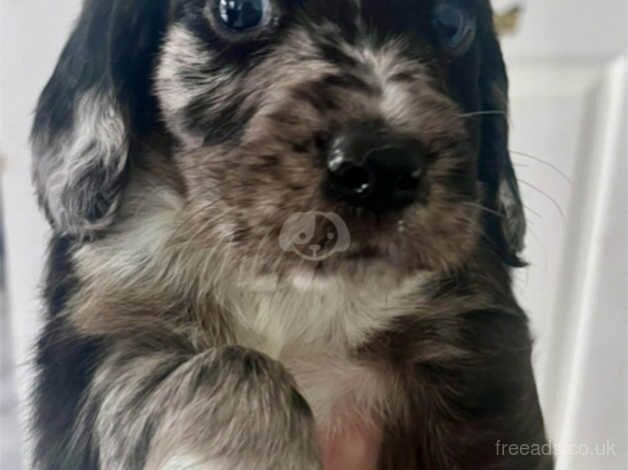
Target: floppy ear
96, 102
507, 225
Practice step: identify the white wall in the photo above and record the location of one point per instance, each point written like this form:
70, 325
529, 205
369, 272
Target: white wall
31, 35
569, 83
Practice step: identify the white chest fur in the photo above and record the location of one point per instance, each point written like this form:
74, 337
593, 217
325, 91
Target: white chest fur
347, 399
338, 389
312, 327
305, 315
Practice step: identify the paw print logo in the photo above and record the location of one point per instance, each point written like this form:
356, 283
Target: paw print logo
298, 232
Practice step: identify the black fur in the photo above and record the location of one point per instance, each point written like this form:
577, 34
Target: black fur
65, 362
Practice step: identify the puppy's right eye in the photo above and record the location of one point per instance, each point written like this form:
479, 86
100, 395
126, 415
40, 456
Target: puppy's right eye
455, 27
242, 15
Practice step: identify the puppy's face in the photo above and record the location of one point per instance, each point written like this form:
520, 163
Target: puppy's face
388, 116
263, 108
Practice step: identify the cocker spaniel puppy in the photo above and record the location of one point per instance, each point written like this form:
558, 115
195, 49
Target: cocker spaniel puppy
282, 239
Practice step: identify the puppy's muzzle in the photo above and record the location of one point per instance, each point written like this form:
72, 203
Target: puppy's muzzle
377, 172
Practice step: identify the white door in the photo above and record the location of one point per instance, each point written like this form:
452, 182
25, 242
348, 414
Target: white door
569, 120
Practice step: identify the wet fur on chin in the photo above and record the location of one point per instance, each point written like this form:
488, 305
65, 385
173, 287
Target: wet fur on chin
180, 334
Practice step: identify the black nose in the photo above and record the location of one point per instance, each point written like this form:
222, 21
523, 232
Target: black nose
375, 172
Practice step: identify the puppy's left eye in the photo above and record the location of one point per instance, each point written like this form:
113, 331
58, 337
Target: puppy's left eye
241, 15
455, 27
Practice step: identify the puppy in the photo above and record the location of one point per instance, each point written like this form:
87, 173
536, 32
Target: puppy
283, 234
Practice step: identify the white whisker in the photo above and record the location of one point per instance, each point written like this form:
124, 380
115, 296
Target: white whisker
545, 163
484, 113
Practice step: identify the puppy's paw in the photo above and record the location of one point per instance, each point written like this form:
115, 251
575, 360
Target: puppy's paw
275, 424
243, 412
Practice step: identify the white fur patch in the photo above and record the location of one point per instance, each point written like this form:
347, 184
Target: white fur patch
318, 313
98, 139
193, 462
136, 240
312, 327
337, 389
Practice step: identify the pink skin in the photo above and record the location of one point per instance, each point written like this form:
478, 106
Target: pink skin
354, 448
